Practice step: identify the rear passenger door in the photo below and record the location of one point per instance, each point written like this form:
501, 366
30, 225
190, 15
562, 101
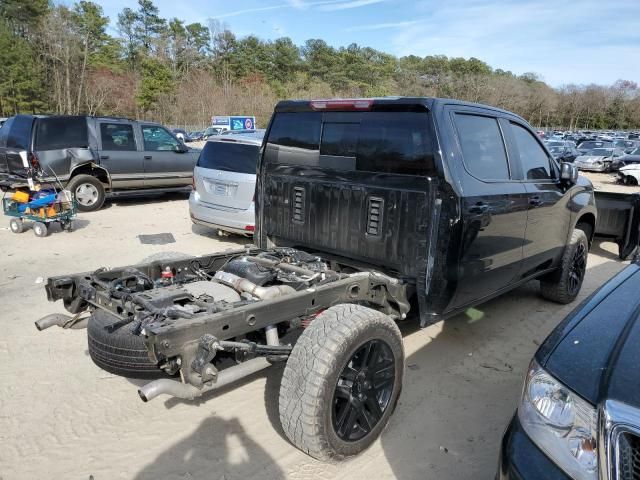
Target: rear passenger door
494, 206
120, 155
548, 216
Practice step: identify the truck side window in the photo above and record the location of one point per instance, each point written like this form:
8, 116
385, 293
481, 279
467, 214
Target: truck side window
117, 136
20, 133
157, 139
54, 133
534, 160
482, 147
4, 132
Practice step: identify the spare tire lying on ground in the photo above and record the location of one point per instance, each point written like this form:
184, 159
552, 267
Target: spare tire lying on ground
114, 344
115, 347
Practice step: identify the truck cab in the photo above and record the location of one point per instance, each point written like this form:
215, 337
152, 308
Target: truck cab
461, 201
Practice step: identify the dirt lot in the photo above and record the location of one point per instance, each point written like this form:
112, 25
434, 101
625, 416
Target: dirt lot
62, 417
607, 182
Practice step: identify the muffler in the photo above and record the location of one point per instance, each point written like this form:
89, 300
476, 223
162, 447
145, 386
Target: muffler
166, 386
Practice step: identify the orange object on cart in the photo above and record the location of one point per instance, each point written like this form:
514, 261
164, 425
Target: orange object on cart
20, 197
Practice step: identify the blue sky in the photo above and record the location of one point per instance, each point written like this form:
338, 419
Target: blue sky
587, 41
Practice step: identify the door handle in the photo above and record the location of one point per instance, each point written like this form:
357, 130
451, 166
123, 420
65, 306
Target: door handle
535, 201
479, 208
147, 157
104, 157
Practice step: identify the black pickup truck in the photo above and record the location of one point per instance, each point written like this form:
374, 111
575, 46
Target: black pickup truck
368, 211
94, 156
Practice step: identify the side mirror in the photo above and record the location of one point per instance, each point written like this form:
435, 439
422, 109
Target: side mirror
181, 148
568, 173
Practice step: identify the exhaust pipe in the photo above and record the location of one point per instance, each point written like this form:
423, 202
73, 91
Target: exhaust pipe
174, 388
243, 285
61, 320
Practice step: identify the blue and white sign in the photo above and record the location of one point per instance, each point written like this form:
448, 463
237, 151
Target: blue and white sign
220, 120
242, 123
234, 123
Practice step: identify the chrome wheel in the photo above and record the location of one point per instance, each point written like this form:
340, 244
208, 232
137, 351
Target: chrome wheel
86, 194
363, 390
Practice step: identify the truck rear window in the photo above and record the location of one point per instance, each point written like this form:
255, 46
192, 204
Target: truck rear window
55, 133
230, 157
388, 142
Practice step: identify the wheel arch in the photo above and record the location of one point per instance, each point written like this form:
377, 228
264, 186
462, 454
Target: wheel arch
92, 169
587, 219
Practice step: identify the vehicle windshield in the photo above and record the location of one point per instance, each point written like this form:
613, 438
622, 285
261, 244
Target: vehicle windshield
556, 149
590, 145
601, 152
230, 157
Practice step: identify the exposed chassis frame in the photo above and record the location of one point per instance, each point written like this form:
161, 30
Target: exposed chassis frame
168, 338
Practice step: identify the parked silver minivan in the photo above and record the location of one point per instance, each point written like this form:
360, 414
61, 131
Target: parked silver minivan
224, 183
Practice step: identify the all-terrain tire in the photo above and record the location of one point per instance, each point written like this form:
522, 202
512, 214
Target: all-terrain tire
89, 198
310, 379
115, 347
563, 285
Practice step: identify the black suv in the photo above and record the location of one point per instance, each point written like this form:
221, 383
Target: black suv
94, 155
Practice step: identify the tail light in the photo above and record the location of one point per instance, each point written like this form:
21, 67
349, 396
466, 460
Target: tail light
342, 104
249, 228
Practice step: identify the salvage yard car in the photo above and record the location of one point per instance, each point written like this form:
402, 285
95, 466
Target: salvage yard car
579, 416
368, 212
598, 159
629, 174
630, 158
224, 183
94, 156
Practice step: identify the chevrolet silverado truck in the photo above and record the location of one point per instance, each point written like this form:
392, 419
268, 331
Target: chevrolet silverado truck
368, 212
94, 157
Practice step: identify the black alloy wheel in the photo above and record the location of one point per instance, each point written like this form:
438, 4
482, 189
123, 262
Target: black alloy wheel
577, 269
363, 390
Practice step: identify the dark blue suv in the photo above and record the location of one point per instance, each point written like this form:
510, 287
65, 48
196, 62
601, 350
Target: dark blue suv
579, 416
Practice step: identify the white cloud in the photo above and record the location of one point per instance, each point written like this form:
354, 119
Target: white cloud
382, 26
295, 4
253, 10
557, 40
349, 4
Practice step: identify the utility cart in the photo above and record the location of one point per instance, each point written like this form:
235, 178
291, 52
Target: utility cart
54, 207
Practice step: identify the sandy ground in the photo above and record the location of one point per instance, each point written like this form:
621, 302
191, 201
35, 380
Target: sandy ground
62, 417
606, 182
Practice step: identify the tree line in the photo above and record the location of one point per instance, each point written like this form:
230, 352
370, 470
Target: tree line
61, 59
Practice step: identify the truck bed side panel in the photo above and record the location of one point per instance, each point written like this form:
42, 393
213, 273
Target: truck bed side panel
619, 219
375, 218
